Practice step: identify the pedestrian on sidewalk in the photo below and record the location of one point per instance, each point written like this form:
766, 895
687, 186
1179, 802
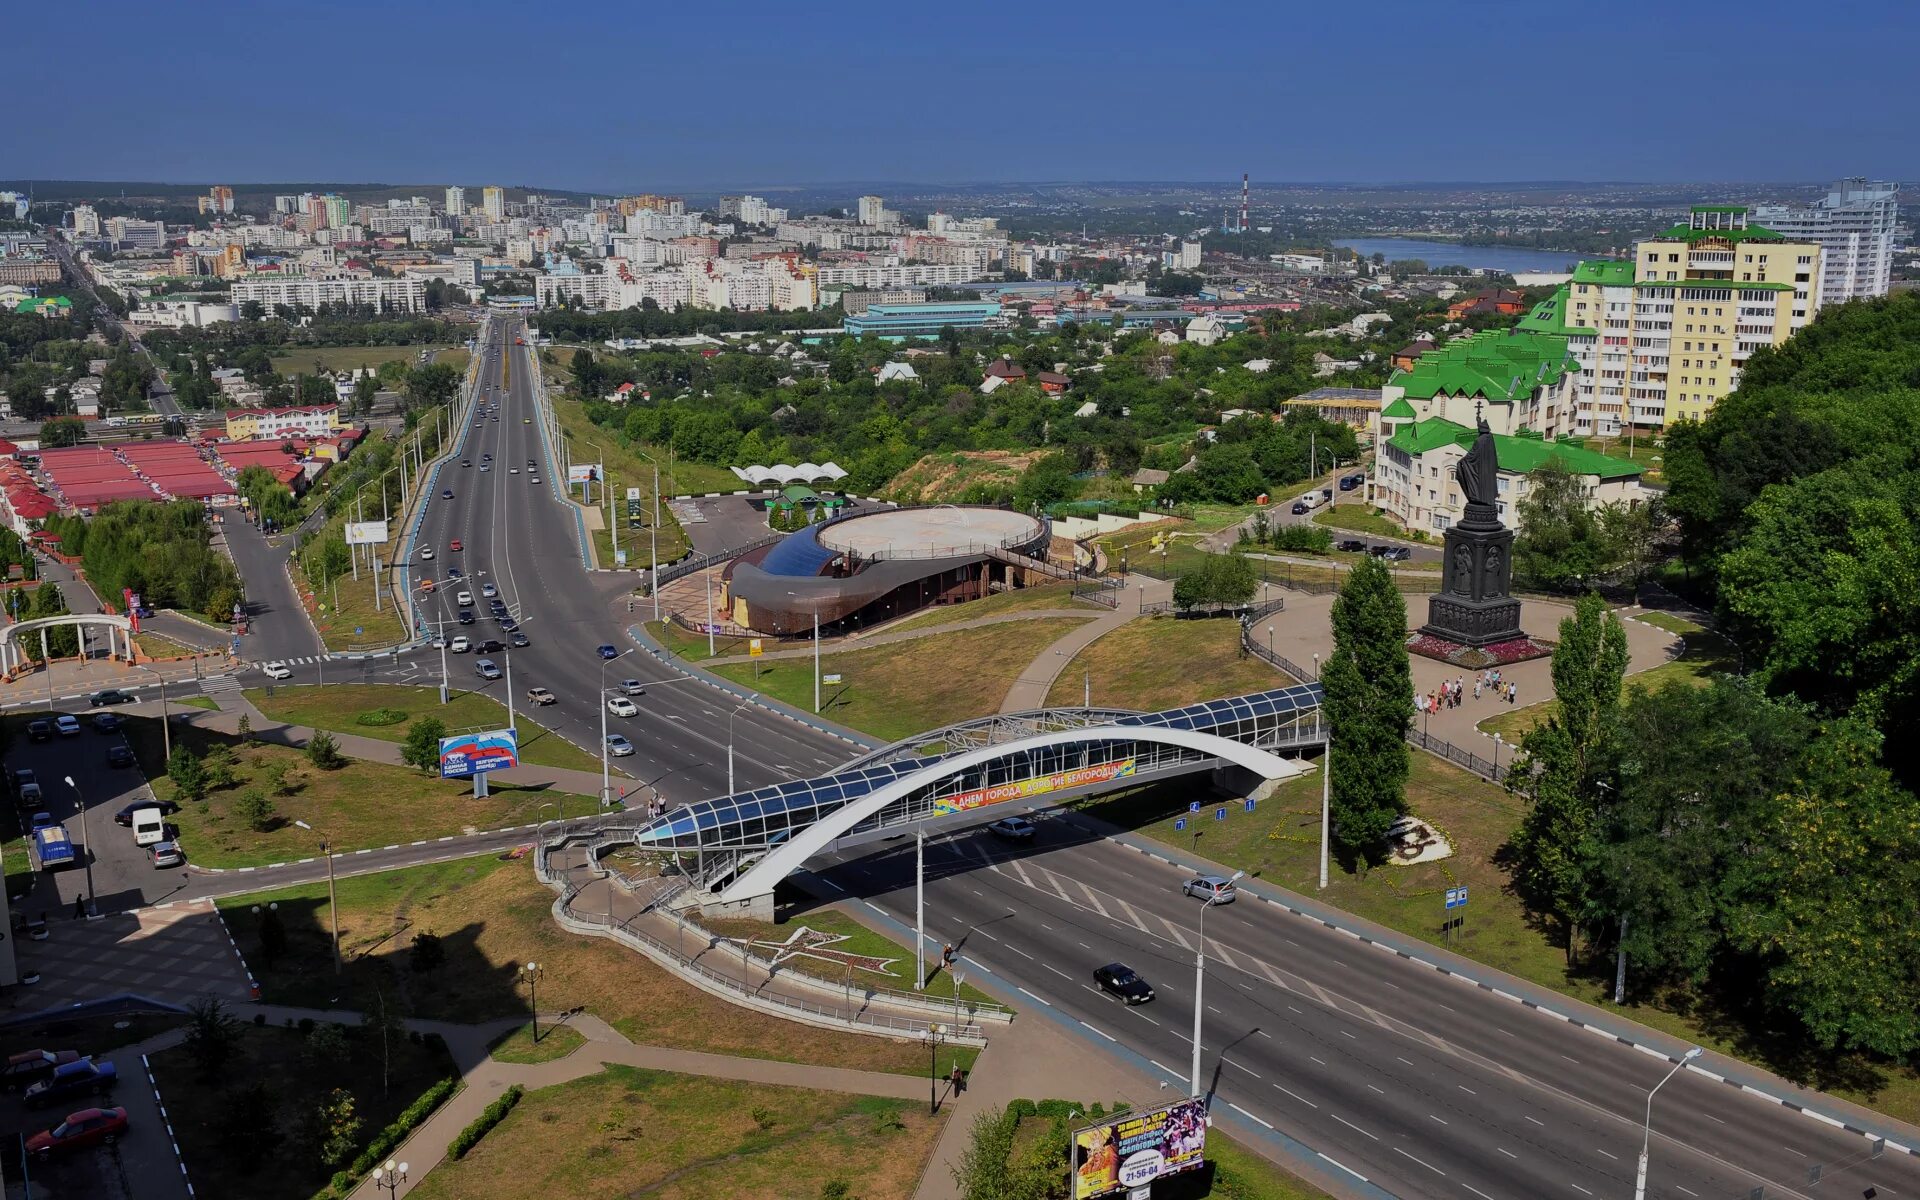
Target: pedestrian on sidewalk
1476, 686
1513, 693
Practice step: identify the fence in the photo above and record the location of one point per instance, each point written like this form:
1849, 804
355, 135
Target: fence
700, 562
1265, 653
1104, 592
1485, 768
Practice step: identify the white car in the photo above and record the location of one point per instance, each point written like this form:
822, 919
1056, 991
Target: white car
513, 470
459, 645
464, 599
620, 706
426, 555
535, 481
618, 746
489, 591
278, 670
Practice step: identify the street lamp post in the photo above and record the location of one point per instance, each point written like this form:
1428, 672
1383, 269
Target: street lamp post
1496, 758
86, 845
532, 971
816, 658
1646, 1131
1200, 979
389, 1177
730, 717
1326, 799
333, 903
606, 762
933, 1067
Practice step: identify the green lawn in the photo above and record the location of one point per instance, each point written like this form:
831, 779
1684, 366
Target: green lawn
344, 614
1152, 663
627, 468
693, 646
285, 1071
859, 940
629, 1132
360, 805
1052, 595
909, 687
339, 706
306, 360
556, 1041
490, 916
1707, 654
1359, 518
1671, 622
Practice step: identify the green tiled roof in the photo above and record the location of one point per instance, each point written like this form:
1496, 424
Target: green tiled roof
1550, 316
32, 304
1499, 364
1522, 455
1687, 233
1606, 272
1399, 410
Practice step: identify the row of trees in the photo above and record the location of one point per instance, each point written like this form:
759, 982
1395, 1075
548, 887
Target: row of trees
162, 551
1564, 543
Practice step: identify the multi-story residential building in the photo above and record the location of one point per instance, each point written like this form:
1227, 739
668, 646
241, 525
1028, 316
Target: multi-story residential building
855, 303
1517, 379
459, 270
286, 206
456, 201
177, 314
218, 200
795, 282
29, 272
896, 276
1854, 227
339, 211
493, 202
872, 210
921, 320
131, 233
86, 222
384, 295
307, 420
1414, 481
576, 288
1189, 257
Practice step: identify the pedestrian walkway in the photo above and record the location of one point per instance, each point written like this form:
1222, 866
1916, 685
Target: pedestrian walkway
837, 645
1029, 691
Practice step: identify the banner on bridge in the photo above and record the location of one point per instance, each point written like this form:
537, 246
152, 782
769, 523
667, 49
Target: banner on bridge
1039, 785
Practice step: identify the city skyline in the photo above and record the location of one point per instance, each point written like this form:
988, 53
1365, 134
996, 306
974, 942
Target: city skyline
1289, 96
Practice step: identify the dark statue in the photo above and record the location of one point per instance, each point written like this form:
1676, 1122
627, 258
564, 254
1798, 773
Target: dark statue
1473, 606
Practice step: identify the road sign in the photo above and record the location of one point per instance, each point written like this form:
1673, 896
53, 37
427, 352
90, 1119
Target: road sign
1250, 803
357, 631
633, 495
619, 558
1179, 824
1193, 806
1220, 814
1456, 897
830, 679
754, 647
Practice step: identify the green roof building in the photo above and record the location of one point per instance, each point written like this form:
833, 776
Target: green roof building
1518, 378
45, 306
1414, 483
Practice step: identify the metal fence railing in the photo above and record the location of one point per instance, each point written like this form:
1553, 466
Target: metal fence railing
700, 562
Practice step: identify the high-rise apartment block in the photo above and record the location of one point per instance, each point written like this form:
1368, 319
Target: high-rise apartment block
493, 202
86, 221
339, 211
1854, 227
1661, 338
456, 201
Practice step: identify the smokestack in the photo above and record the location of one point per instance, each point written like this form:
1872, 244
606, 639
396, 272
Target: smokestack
1243, 202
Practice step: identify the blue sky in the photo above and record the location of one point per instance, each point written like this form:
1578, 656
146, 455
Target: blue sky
638, 95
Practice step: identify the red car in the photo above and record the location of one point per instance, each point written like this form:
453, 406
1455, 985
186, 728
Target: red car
454, 545
88, 1127
30, 1067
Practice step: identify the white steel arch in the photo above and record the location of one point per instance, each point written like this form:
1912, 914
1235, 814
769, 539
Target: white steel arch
13, 654
786, 858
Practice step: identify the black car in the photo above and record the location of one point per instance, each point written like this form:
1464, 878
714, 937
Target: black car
110, 696
1119, 979
508, 624
466, 616
489, 646
106, 722
119, 756
1351, 546
40, 731
125, 816
518, 640
1380, 551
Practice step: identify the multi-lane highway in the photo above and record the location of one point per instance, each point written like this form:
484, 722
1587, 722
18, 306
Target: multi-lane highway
1397, 1078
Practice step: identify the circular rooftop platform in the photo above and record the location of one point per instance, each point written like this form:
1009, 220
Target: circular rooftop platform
930, 532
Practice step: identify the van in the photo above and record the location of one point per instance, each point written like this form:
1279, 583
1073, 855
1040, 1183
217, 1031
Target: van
149, 826
485, 668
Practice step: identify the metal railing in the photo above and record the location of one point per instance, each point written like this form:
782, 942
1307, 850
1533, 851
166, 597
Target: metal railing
700, 562
1098, 590
1441, 748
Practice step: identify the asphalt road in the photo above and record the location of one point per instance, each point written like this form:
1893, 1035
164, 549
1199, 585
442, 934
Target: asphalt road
1424, 1085
279, 628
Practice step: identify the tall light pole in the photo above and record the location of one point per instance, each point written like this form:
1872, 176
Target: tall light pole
708, 576
532, 971
1200, 979
816, 658
1326, 797
86, 845
653, 571
919, 909
730, 717
606, 762
1646, 1131
166, 733
333, 902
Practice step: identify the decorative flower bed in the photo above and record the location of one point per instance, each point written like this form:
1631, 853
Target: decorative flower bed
1513, 650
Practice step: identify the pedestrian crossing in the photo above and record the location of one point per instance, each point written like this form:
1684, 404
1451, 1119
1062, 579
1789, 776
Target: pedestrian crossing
218, 685
309, 659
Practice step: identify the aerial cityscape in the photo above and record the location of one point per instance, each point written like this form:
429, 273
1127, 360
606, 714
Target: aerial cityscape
1301, 604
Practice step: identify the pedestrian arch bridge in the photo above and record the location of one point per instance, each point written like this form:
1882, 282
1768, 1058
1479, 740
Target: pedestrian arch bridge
736, 848
15, 655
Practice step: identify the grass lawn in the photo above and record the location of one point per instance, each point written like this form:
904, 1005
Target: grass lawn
896, 691
626, 467
1671, 622
628, 1132
154, 646
334, 359
283, 1072
347, 606
556, 1041
1052, 595
1134, 547
89, 1035
1359, 518
339, 706
859, 940
693, 646
360, 805
205, 702
1152, 663
1640, 449
1706, 655
1240, 1174
491, 915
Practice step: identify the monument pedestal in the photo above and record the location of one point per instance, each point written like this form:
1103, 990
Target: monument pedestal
1473, 609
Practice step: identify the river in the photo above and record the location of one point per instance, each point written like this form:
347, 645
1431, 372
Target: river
1451, 254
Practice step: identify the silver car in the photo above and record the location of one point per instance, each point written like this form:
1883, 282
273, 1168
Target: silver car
1216, 888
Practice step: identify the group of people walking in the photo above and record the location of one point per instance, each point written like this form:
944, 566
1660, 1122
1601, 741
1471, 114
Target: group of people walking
1453, 692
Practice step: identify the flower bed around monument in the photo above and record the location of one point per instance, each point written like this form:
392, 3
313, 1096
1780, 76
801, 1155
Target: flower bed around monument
1512, 650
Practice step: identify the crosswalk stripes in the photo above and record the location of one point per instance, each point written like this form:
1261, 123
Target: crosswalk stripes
216, 684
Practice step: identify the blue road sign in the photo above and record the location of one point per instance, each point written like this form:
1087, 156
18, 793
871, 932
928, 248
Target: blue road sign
1250, 803
1193, 806
1456, 897
1219, 814
358, 630
1180, 824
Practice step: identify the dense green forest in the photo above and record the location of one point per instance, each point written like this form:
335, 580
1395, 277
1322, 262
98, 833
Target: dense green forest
162, 551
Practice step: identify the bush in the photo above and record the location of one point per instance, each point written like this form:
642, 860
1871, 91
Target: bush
1018, 1109
189, 777
493, 1114
377, 717
256, 810
324, 752
384, 1142
1314, 539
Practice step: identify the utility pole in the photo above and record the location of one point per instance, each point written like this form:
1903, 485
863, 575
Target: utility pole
919, 909
1326, 800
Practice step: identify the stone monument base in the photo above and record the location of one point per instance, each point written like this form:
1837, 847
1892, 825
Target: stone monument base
1519, 648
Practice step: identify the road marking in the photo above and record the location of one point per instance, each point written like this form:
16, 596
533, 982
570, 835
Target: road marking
1344, 1167
1423, 1162
1571, 1059
1167, 1069
1583, 1191
1371, 1088
1103, 1033
1615, 1157
1297, 1096
1212, 1009
1407, 1061
1688, 1191
1344, 1033
1431, 1117
1291, 1008
1021, 953
1263, 1033
1243, 1112
1248, 1070
1476, 1191
1059, 972
1321, 1061
1507, 1152
1042, 999
1536, 1121
1351, 1125
1469, 1091
1144, 1017
1084, 946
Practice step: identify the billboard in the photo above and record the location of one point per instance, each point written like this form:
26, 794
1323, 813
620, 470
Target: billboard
1039, 785
1131, 1152
633, 497
366, 533
583, 473
467, 754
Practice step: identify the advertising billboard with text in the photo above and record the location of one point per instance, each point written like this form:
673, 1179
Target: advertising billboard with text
366, 533
1132, 1152
1039, 785
583, 473
467, 754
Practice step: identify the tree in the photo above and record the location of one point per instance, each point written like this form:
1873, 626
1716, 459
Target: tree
213, 1034
336, 1128
323, 751
248, 1125
432, 384
366, 389
427, 953
189, 777
1217, 579
1559, 541
589, 377
422, 747
1047, 481
253, 807
63, 431
1368, 702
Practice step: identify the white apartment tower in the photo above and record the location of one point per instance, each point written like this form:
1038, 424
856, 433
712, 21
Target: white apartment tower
1853, 226
456, 201
873, 210
493, 202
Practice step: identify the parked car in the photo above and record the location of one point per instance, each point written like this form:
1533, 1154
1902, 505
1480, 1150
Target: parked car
486, 668
620, 706
67, 724
165, 854
83, 1078
31, 1066
106, 722
1014, 829
459, 645
1215, 888
1351, 546
118, 756
608, 651
618, 746
125, 816
108, 697
278, 670
39, 731
1119, 979
633, 687
540, 695
88, 1127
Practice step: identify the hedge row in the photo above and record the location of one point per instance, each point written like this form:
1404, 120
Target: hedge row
492, 1115
1050, 1109
344, 1182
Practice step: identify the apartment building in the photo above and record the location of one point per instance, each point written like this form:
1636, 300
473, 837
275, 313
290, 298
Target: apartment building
1854, 227
1414, 471
896, 276
456, 201
1517, 379
383, 295
493, 202
310, 420
131, 233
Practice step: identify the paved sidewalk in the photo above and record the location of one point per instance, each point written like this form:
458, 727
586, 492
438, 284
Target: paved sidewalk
1029, 691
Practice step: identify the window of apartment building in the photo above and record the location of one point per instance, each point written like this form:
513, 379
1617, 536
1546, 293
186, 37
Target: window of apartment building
1802, 277
1763, 260
1672, 275
1652, 257
1673, 258
1806, 260
1503, 483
